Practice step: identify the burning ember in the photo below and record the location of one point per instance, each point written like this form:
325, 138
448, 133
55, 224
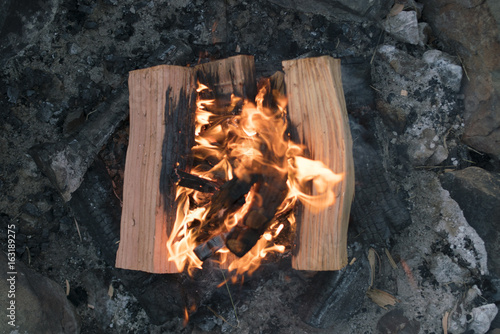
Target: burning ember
247, 177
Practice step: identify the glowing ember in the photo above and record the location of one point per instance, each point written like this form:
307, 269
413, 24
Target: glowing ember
259, 174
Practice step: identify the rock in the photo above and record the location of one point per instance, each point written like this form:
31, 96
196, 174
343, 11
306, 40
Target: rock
424, 30
482, 317
477, 192
425, 150
411, 91
396, 322
473, 27
403, 27
446, 271
341, 9
449, 73
461, 243
419, 153
40, 303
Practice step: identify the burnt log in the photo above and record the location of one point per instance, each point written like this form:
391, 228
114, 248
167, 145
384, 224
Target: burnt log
226, 201
378, 212
162, 106
270, 194
195, 182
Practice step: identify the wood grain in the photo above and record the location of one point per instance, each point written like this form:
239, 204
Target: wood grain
162, 105
318, 115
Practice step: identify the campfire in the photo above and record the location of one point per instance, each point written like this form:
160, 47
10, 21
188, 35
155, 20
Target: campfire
242, 194
230, 192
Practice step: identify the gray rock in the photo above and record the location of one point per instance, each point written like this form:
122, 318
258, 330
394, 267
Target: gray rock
449, 72
425, 149
403, 27
419, 153
482, 317
474, 25
38, 304
411, 91
424, 30
396, 322
446, 271
477, 191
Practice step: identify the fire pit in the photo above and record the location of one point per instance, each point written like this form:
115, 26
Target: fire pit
420, 80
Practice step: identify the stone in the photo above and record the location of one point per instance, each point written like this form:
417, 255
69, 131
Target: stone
411, 92
396, 322
472, 28
424, 30
446, 271
449, 73
477, 192
482, 317
462, 244
424, 151
40, 303
403, 27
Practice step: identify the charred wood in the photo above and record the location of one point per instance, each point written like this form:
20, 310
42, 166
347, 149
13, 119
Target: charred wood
208, 249
270, 193
195, 182
228, 199
378, 212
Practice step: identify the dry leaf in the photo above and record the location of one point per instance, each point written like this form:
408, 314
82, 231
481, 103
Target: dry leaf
371, 260
404, 92
396, 9
381, 298
67, 288
111, 291
445, 322
391, 260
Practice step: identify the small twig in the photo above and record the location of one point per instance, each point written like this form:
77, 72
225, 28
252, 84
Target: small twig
445, 138
90, 113
378, 42
78, 229
375, 89
463, 66
475, 151
29, 255
119, 199
220, 317
434, 167
231, 298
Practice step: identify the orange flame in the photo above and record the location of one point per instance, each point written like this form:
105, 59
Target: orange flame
253, 142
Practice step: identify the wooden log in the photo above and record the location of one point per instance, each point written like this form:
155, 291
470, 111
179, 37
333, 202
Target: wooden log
317, 111
162, 105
